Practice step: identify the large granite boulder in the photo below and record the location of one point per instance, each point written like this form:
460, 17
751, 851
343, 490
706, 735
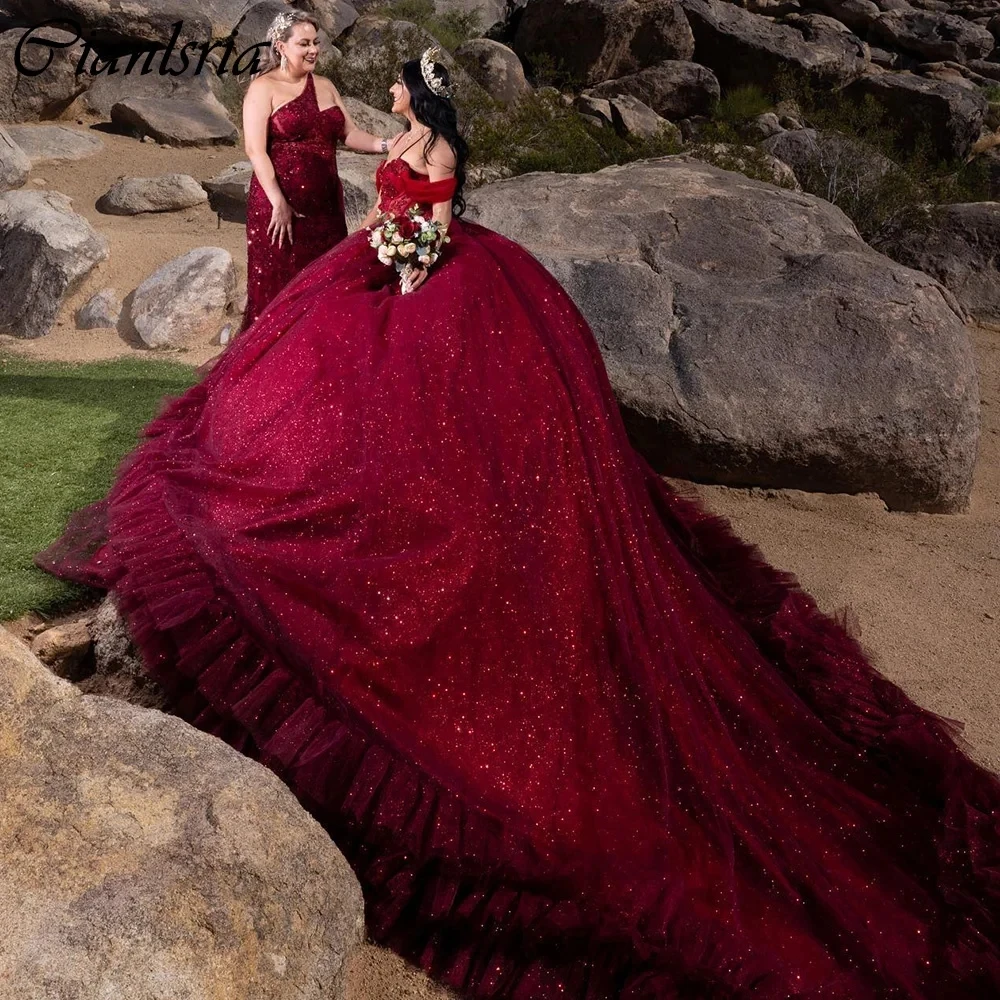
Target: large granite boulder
166, 193
14, 163
46, 250
49, 84
118, 23
741, 47
857, 15
947, 115
672, 88
145, 859
751, 336
177, 83
960, 246
495, 68
596, 40
176, 121
932, 35
187, 296
334, 16
55, 143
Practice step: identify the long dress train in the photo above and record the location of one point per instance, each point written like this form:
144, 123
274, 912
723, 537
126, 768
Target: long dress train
577, 739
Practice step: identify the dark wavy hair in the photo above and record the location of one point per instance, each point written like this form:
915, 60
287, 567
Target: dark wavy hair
440, 116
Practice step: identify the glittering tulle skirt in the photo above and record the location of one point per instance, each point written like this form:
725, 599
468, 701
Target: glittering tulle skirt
576, 738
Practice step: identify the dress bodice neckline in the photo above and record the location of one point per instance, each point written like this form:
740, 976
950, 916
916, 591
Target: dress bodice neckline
310, 85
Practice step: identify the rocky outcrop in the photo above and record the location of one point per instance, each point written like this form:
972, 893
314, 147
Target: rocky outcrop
960, 246
745, 48
596, 40
117, 23
949, 116
166, 193
335, 16
46, 250
495, 68
143, 858
630, 117
176, 82
14, 163
372, 38
932, 35
176, 121
372, 120
51, 84
187, 296
751, 336
55, 143
828, 164
673, 88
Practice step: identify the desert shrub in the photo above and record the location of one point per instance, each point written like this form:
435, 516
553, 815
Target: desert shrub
230, 92
368, 73
880, 177
540, 132
740, 105
450, 28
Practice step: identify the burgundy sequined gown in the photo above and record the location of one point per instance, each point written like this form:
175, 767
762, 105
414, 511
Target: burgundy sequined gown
302, 144
575, 737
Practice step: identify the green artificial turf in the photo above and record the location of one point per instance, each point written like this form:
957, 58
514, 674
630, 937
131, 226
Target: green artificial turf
63, 430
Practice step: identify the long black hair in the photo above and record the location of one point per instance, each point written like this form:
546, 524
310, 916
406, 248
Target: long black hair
440, 116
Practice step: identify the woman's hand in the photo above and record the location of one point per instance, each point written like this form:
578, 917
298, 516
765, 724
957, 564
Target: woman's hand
412, 278
280, 227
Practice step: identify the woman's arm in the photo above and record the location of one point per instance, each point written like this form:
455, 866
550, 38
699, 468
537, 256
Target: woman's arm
256, 112
370, 218
354, 137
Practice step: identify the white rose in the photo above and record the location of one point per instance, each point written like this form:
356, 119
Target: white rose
396, 238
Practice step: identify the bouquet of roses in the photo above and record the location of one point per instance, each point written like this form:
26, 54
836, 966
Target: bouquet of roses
408, 241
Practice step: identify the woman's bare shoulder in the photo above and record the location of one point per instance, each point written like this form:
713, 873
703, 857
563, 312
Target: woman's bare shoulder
325, 84
441, 154
260, 86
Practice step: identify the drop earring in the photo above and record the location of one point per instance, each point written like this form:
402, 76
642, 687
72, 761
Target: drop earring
284, 63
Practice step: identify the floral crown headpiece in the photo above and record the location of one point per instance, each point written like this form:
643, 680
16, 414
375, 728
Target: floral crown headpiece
434, 82
281, 24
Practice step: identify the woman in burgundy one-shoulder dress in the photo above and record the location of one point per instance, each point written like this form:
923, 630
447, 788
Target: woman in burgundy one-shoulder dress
577, 739
295, 162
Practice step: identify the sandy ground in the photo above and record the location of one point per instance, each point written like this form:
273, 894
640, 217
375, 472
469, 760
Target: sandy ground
139, 244
923, 587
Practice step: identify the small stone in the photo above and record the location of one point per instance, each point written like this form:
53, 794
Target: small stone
101, 311
63, 648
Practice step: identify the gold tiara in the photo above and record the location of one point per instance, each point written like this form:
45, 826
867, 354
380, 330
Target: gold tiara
434, 82
281, 24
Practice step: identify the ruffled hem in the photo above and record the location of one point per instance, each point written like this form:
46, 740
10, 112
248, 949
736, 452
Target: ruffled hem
917, 749
453, 889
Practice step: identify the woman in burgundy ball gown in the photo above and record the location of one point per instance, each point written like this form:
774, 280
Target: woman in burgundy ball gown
576, 738
292, 122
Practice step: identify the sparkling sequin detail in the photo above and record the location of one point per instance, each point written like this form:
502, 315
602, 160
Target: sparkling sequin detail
302, 144
575, 737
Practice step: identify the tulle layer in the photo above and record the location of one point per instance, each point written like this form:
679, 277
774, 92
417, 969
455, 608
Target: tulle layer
455, 891
304, 457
